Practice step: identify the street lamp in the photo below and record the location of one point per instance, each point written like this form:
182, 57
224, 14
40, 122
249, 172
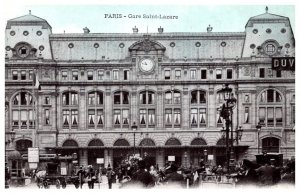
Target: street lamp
226, 113
258, 127
239, 134
12, 136
205, 156
134, 128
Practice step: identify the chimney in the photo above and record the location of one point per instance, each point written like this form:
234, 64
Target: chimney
86, 30
135, 29
160, 30
209, 28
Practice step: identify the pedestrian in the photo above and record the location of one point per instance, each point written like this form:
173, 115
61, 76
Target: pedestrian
109, 174
81, 176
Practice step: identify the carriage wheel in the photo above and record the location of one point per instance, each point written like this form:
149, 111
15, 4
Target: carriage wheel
57, 183
46, 186
63, 183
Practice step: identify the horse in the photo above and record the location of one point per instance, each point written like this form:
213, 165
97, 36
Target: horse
39, 178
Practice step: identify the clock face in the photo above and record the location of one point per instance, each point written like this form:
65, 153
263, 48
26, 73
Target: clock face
146, 65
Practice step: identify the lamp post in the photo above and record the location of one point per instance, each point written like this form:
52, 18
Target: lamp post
258, 127
226, 113
134, 128
205, 156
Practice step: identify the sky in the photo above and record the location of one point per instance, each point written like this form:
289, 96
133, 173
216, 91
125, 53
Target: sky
72, 18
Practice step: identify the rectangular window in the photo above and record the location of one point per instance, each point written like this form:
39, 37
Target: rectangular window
64, 75
202, 97
100, 75
246, 119
151, 117
100, 117
270, 117
125, 117
47, 117
194, 97
115, 75
91, 115
143, 117
229, 73
278, 115
270, 95
193, 74
168, 116
23, 75
202, 116
278, 73
31, 122
66, 118
126, 75
47, 100
90, 75
203, 74
117, 117
74, 99
75, 75
262, 116
91, 98
167, 74
177, 74
177, 98
177, 117
194, 117
218, 73
125, 97
23, 119
117, 98
168, 98
30, 74
261, 73
15, 118
150, 98
74, 115
143, 98
66, 100
15, 75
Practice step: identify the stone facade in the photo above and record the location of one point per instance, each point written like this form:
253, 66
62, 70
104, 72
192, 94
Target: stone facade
94, 86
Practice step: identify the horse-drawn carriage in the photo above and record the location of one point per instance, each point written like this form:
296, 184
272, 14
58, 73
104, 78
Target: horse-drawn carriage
56, 175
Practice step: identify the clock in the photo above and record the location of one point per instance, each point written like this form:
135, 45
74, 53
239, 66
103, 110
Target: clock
146, 65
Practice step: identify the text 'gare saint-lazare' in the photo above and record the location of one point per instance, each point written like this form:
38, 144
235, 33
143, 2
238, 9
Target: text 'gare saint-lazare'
140, 16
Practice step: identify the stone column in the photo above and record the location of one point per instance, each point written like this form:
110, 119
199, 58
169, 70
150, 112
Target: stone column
185, 109
82, 110
106, 156
160, 157
159, 109
134, 107
83, 157
108, 108
211, 112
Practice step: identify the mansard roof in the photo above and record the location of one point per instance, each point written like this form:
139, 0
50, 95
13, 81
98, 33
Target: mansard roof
26, 20
268, 18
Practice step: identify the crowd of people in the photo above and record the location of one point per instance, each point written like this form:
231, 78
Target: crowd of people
138, 173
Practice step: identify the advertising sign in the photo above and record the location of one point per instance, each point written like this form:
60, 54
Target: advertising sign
210, 157
33, 155
171, 158
33, 165
63, 171
283, 63
100, 160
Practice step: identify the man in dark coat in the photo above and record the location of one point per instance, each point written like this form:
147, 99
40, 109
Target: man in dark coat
265, 173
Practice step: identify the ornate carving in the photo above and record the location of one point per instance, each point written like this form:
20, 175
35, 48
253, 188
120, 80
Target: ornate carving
247, 71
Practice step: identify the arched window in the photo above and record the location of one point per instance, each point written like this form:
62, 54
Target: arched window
198, 109
147, 109
121, 97
70, 143
270, 111
121, 142
172, 108
95, 110
22, 110
70, 110
270, 144
173, 142
198, 142
121, 109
